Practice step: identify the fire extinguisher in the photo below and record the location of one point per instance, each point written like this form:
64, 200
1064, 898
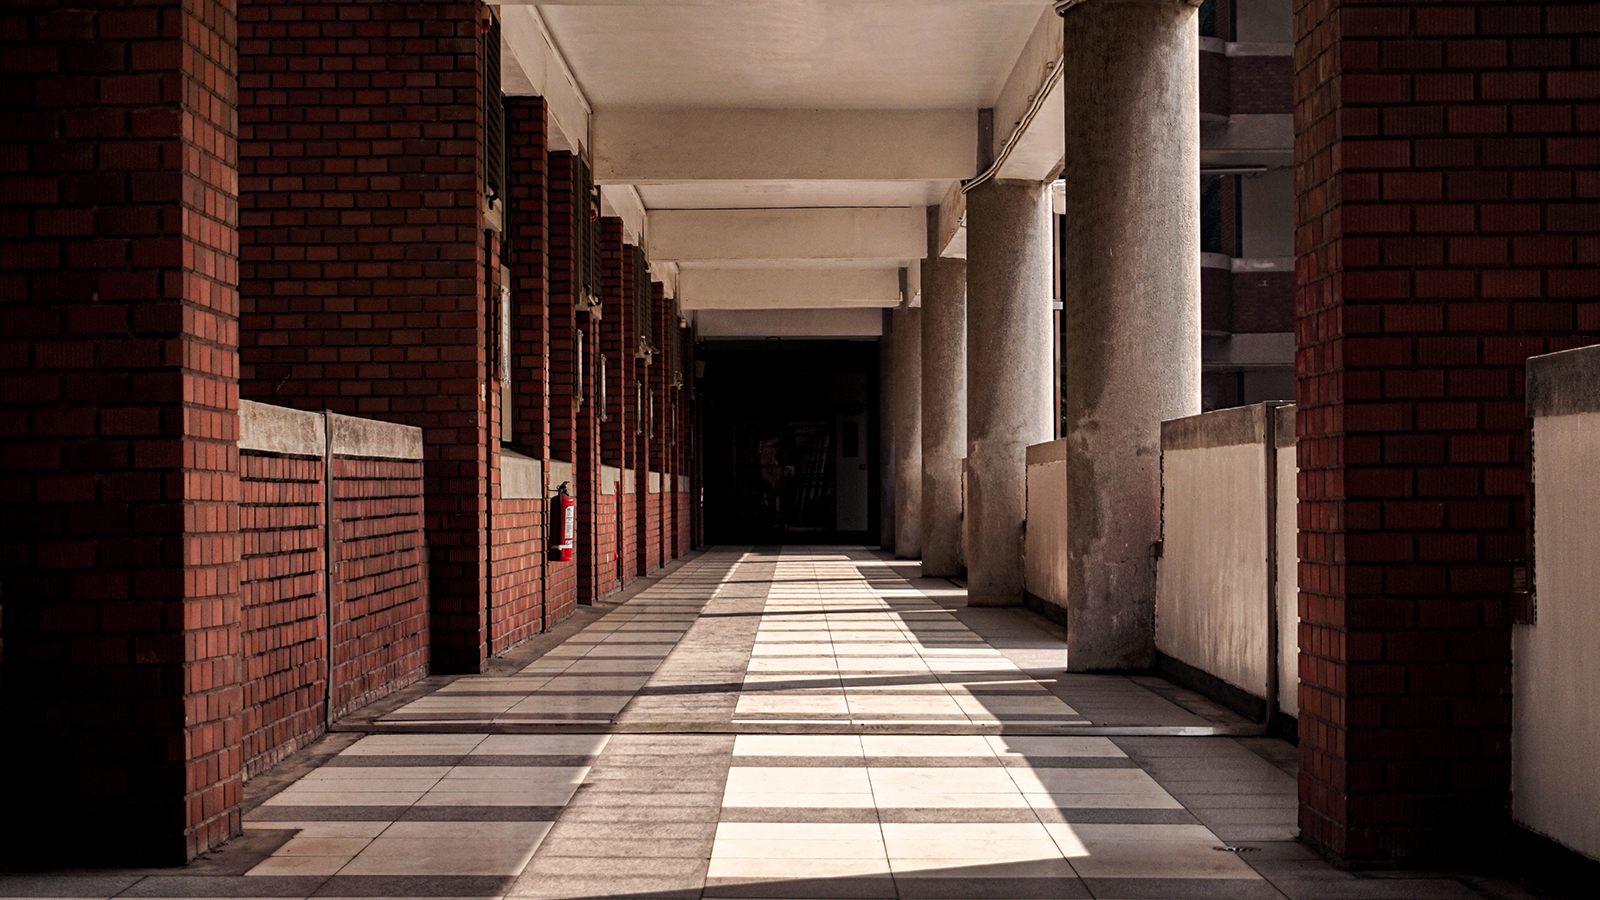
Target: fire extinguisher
564, 526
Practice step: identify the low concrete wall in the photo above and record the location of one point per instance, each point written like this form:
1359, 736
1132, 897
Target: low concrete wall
1555, 784
1212, 582
1288, 563
376, 598
1045, 540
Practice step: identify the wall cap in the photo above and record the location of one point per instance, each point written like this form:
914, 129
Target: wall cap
1048, 452
561, 472
1222, 428
1565, 383
521, 477
1283, 428
278, 429
370, 438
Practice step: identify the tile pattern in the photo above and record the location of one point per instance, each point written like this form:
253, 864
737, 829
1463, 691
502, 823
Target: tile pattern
884, 786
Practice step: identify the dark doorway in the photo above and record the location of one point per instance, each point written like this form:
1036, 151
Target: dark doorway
789, 441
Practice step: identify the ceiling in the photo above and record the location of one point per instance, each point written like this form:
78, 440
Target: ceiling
827, 113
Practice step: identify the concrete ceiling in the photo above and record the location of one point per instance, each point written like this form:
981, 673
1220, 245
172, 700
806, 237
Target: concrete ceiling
829, 113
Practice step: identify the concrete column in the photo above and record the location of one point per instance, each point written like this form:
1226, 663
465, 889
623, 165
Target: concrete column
1131, 283
907, 433
1008, 376
886, 433
944, 405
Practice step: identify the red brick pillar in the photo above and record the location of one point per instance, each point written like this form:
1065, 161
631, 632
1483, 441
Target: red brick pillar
118, 376
364, 254
1448, 228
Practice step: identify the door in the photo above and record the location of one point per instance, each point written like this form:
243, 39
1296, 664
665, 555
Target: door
851, 502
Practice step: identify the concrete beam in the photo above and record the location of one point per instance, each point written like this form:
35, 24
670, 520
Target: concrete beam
742, 234
648, 145
1036, 154
797, 323
787, 288
622, 201
530, 65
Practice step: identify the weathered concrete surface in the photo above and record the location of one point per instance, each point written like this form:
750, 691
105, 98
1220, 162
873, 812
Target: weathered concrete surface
944, 406
1008, 376
1045, 543
1132, 290
277, 429
1212, 600
521, 477
886, 433
1555, 785
1287, 559
907, 433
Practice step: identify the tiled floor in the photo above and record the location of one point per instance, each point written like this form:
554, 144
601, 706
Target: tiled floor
805, 723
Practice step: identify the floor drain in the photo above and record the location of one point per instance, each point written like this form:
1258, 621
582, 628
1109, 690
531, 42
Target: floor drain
1237, 849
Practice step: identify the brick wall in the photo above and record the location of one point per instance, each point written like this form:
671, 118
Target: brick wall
380, 579
1448, 214
363, 249
281, 522
516, 610
1262, 302
120, 550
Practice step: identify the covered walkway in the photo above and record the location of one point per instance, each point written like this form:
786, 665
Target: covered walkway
780, 723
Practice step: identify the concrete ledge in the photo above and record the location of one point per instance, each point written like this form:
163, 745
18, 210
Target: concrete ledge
1565, 383
1283, 427
561, 473
653, 483
370, 438
609, 476
1223, 428
279, 429
1053, 451
630, 481
521, 477
683, 484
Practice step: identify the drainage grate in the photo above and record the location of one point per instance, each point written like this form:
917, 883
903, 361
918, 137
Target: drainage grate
1237, 849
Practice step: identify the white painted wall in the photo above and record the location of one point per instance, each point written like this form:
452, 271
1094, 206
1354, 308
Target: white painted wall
1211, 583
1555, 733
1045, 539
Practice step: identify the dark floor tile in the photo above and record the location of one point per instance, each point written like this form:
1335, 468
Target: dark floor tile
481, 814
414, 886
327, 813
851, 887
960, 814
929, 887
224, 886
797, 814
1118, 816
1181, 889
65, 885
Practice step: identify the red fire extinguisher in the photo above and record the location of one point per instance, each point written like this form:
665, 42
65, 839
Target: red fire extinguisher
563, 526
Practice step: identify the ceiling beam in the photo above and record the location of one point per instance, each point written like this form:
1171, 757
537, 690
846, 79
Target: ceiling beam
791, 288
648, 145
744, 234
1037, 148
789, 323
530, 65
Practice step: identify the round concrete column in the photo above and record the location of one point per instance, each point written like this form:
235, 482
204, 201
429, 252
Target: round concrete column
885, 433
907, 433
944, 406
1008, 376
1131, 281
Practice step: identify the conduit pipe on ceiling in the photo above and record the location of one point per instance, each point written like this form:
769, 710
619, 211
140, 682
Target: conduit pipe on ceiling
1061, 7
